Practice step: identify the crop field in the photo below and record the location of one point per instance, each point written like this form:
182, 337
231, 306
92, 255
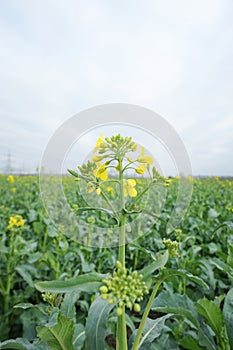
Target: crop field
59, 292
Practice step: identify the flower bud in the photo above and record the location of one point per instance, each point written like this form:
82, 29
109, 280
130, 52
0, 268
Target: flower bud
119, 311
136, 307
104, 296
103, 289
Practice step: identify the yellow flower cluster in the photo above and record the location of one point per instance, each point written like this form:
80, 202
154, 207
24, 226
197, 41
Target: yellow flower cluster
11, 179
16, 221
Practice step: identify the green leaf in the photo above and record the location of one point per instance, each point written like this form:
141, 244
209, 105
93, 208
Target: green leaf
152, 330
18, 343
24, 306
222, 266
177, 304
79, 336
59, 336
88, 283
228, 315
212, 314
149, 269
190, 343
170, 272
68, 305
205, 338
96, 324
212, 213
25, 272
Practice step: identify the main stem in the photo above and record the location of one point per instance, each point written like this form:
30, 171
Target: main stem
121, 341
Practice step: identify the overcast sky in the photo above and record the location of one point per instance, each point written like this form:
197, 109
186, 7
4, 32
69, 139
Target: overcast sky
59, 57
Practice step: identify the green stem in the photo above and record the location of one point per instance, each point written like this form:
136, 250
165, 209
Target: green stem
145, 315
121, 322
110, 204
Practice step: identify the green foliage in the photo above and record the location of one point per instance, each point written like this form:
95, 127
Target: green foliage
58, 336
38, 251
88, 283
96, 324
152, 330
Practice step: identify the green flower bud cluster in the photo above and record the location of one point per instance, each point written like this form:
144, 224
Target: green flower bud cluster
117, 146
124, 288
53, 299
172, 247
50, 298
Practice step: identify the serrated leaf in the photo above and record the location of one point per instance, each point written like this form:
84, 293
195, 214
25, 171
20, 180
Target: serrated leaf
228, 315
88, 283
212, 314
152, 330
176, 304
96, 324
59, 336
190, 343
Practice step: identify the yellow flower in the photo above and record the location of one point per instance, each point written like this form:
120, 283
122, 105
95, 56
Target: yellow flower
16, 221
129, 189
11, 179
145, 159
98, 143
92, 188
110, 190
141, 169
13, 189
101, 172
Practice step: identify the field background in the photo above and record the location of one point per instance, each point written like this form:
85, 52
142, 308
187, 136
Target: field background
39, 251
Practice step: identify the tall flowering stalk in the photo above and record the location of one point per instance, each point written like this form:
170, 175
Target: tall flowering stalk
114, 159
